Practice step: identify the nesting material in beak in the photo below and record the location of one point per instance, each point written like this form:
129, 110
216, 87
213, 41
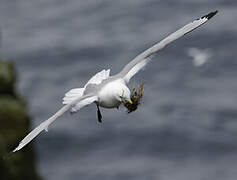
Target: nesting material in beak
135, 98
130, 101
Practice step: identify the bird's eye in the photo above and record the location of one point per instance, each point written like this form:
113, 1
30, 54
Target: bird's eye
121, 97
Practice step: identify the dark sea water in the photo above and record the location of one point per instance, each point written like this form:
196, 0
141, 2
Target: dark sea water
186, 127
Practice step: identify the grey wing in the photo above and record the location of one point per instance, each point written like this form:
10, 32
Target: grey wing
75, 105
142, 59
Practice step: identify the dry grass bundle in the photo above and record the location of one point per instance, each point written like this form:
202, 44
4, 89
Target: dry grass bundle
135, 97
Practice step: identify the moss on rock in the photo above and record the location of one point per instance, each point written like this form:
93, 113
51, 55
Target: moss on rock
15, 124
7, 78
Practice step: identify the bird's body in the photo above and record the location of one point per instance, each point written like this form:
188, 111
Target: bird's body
109, 91
107, 96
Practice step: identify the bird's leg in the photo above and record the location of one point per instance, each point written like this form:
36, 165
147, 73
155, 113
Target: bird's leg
99, 114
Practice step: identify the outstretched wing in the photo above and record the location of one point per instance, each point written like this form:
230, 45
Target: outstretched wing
99, 77
142, 59
74, 106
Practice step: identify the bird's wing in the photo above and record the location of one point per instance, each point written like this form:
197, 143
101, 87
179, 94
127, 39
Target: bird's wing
142, 59
75, 93
78, 103
99, 77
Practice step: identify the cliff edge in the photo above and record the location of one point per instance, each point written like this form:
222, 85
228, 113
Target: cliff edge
14, 125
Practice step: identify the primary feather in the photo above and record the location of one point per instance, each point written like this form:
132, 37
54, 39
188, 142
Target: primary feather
75, 105
142, 59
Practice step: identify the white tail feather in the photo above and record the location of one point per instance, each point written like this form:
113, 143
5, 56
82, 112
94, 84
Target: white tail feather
72, 95
78, 92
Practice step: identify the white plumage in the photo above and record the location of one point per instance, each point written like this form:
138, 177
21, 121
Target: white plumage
73, 94
99, 77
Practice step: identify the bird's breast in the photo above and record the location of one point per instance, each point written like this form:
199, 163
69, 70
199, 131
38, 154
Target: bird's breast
107, 95
109, 102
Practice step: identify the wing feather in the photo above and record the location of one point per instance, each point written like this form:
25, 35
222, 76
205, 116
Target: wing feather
99, 77
142, 59
78, 103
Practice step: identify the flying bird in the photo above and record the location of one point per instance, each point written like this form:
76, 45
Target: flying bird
199, 56
109, 91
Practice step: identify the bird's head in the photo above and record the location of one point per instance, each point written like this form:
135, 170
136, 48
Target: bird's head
124, 95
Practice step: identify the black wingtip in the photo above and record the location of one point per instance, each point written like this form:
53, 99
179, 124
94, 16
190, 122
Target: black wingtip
210, 15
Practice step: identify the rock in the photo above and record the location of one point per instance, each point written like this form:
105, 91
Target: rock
15, 124
7, 78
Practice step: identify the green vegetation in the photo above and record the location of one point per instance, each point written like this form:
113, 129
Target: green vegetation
14, 125
136, 97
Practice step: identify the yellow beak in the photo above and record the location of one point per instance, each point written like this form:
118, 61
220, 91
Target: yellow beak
130, 101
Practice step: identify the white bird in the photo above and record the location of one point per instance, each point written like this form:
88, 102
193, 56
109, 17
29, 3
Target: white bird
109, 91
199, 56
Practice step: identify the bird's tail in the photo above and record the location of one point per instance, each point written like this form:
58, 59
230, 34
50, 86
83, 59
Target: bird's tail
43, 126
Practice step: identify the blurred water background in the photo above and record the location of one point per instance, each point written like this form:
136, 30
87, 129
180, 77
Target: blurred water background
186, 127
